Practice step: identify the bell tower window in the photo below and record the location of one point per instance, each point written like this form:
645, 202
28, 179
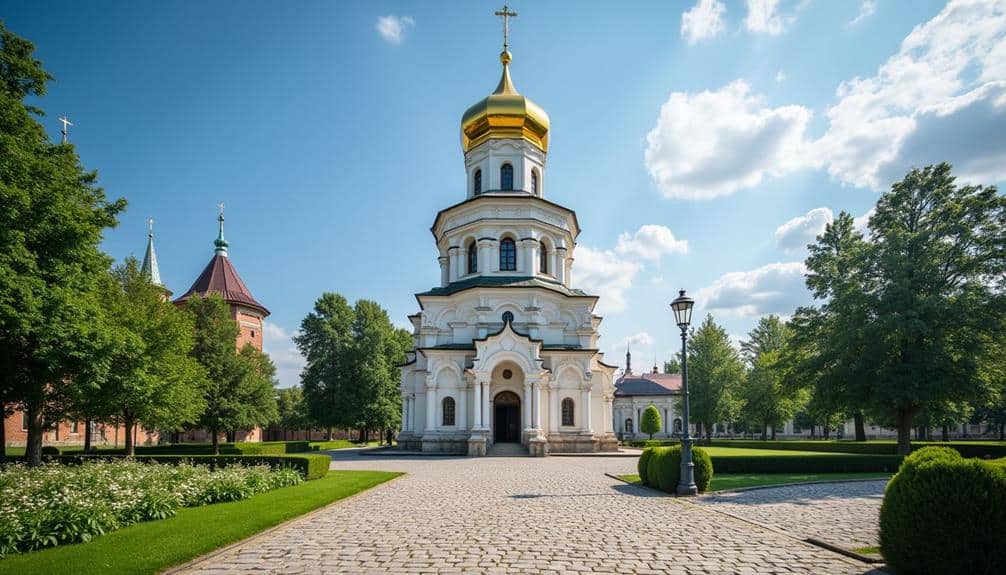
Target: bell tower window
543, 259
506, 177
508, 255
534, 182
477, 184
473, 258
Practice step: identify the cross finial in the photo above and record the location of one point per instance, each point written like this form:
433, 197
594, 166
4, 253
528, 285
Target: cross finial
66, 123
150, 226
506, 14
220, 206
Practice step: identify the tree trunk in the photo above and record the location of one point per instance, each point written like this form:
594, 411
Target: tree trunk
857, 418
328, 435
1002, 431
128, 422
33, 451
826, 429
87, 435
216, 441
945, 433
764, 432
773, 433
813, 431
904, 419
3, 432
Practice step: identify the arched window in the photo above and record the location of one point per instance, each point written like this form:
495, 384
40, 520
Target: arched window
508, 317
506, 177
567, 411
628, 425
677, 426
534, 182
473, 257
448, 410
543, 259
477, 186
508, 255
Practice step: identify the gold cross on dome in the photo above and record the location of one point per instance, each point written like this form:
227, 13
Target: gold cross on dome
506, 14
221, 206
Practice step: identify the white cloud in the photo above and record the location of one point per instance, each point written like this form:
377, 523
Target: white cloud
710, 144
764, 17
392, 28
794, 235
278, 343
641, 339
862, 222
605, 274
703, 21
780, 76
650, 242
866, 9
774, 288
941, 97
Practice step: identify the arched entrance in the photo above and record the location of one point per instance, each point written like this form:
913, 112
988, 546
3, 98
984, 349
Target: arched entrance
506, 417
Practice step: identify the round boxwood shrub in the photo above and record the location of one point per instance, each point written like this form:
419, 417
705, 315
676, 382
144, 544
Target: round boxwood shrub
943, 513
644, 459
663, 468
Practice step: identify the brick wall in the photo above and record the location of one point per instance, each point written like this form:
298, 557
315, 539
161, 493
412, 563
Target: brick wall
72, 433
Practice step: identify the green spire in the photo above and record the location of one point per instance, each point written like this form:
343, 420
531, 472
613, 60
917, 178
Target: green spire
220, 242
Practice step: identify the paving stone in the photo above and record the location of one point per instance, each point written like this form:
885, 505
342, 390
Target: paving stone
522, 515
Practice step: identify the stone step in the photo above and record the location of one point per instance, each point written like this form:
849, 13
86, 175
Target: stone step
507, 450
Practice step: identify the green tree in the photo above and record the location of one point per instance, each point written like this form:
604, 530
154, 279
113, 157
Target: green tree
378, 351
292, 410
715, 374
650, 421
769, 335
936, 259
52, 216
152, 379
767, 401
239, 386
673, 365
326, 342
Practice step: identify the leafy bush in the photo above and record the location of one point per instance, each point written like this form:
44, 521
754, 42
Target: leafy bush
650, 421
662, 468
644, 458
310, 465
50, 450
966, 448
943, 513
58, 504
241, 448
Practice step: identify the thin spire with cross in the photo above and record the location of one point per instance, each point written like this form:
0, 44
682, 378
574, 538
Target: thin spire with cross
66, 123
150, 226
220, 243
506, 14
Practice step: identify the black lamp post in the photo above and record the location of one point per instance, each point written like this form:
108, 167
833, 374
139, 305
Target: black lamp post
682, 307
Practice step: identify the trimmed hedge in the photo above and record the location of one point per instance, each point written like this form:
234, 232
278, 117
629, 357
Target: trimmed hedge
979, 449
241, 448
797, 464
644, 458
943, 513
310, 465
662, 468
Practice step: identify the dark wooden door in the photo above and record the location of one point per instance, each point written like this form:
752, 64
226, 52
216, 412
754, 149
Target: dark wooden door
507, 415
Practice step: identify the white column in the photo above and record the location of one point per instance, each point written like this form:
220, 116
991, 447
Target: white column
484, 256
553, 397
569, 271
486, 421
463, 399
412, 412
609, 418
585, 424
405, 412
536, 410
431, 407
459, 262
477, 404
560, 265
445, 269
527, 405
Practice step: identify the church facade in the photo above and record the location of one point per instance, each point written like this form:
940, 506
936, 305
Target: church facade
505, 349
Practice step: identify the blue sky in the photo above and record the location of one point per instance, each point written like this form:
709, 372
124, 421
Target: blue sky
702, 143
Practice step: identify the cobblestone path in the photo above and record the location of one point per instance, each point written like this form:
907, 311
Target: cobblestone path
558, 515
842, 514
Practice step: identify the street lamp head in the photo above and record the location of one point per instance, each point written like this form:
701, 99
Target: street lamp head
682, 306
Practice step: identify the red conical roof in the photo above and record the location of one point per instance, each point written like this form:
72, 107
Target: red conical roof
221, 278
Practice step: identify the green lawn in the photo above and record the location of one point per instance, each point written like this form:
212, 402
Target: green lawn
340, 444
153, 546
731, 481
714, 451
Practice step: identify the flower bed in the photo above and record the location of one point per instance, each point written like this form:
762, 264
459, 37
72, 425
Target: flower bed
59, 504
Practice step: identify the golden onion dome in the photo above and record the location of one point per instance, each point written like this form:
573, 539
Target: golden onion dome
504, 114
